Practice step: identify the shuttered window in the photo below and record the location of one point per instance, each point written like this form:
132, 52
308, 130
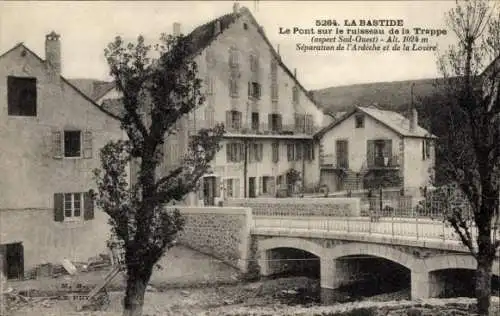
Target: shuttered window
276, 152
73, 206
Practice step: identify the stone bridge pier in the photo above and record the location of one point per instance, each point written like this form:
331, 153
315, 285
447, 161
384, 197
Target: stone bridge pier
342, 262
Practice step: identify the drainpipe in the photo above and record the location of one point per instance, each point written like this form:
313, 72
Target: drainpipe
303, 165
245, 169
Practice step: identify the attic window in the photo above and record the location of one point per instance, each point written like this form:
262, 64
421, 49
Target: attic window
21, 96
245, 26
360, 121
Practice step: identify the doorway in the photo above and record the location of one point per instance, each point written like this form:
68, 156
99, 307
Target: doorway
209, 191
12, 260
251, 187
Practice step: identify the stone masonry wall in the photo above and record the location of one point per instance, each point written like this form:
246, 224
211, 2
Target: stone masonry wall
300, 206
222, 232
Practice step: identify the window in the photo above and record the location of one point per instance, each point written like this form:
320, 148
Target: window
290, 152
233, 120
256, 152
274, 92
234, 89
235, 152
274, 122
276, 152
72, 143
359, 120
274, 70
426, 150
298, 151
233, 57
73, 206
300, 122
295, 95
229, 187
268, 185
245, 26
209, 86
255, 121
254, 90
254, 63
308, 151
21, 96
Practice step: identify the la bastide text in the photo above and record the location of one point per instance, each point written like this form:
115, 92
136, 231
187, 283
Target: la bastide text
369, 35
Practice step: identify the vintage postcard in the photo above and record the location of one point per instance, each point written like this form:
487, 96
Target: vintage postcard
249, 157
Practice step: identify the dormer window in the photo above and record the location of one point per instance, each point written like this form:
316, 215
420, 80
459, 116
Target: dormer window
359, 121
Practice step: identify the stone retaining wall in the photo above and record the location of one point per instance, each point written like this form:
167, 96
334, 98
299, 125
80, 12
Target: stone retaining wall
222, 232
300, 206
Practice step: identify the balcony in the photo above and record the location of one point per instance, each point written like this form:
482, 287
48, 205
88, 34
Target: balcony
266, 129
381, 162
329, 161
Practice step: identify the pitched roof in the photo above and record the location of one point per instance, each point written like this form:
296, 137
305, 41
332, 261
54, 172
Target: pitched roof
93, 88
392, 120
202, 36
66, 81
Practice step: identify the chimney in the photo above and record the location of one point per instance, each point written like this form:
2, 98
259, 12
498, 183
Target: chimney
413, 119
295, 72
236, 8
176, 29
217, 27
53, 51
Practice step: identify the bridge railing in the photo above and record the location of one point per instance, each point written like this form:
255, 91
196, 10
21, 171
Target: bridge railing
426, 230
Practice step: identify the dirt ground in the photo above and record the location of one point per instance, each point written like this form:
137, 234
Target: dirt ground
191, 283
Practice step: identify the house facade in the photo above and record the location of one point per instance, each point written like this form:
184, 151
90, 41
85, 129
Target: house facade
50, 133
269, 117
368, 148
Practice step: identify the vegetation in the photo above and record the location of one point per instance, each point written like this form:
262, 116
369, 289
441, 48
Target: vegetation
157, 93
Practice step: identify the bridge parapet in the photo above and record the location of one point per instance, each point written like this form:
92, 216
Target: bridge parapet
328, 207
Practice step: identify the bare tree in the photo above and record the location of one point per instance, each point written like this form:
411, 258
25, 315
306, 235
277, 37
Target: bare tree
469, 146
157, 92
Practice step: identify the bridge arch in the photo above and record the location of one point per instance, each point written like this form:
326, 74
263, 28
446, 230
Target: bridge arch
297, 243
377, 250
456, 261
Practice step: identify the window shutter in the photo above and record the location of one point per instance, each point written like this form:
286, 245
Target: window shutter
279, 122
250, 89
242, 152
58, 207
370, 152
236, 188
217, 187
57, 144
228, 152
88, 204
228, 119
87, 144
261, 151
269, 121
388, 148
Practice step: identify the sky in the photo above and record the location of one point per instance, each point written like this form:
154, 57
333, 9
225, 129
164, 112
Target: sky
87, 27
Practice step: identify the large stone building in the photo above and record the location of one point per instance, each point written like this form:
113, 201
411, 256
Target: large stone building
269, 117
50, 134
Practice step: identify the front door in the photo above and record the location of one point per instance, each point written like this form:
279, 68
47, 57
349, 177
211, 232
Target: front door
251, 187
14, 259
342, 154
209, 191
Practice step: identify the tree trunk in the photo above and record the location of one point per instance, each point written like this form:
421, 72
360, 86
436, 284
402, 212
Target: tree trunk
137, 281
483, 285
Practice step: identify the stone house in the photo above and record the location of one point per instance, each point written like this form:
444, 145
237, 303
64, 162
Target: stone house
369, 148
270, 118
50, 135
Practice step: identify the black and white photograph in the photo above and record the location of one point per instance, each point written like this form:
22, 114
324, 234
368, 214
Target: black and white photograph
216, 158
